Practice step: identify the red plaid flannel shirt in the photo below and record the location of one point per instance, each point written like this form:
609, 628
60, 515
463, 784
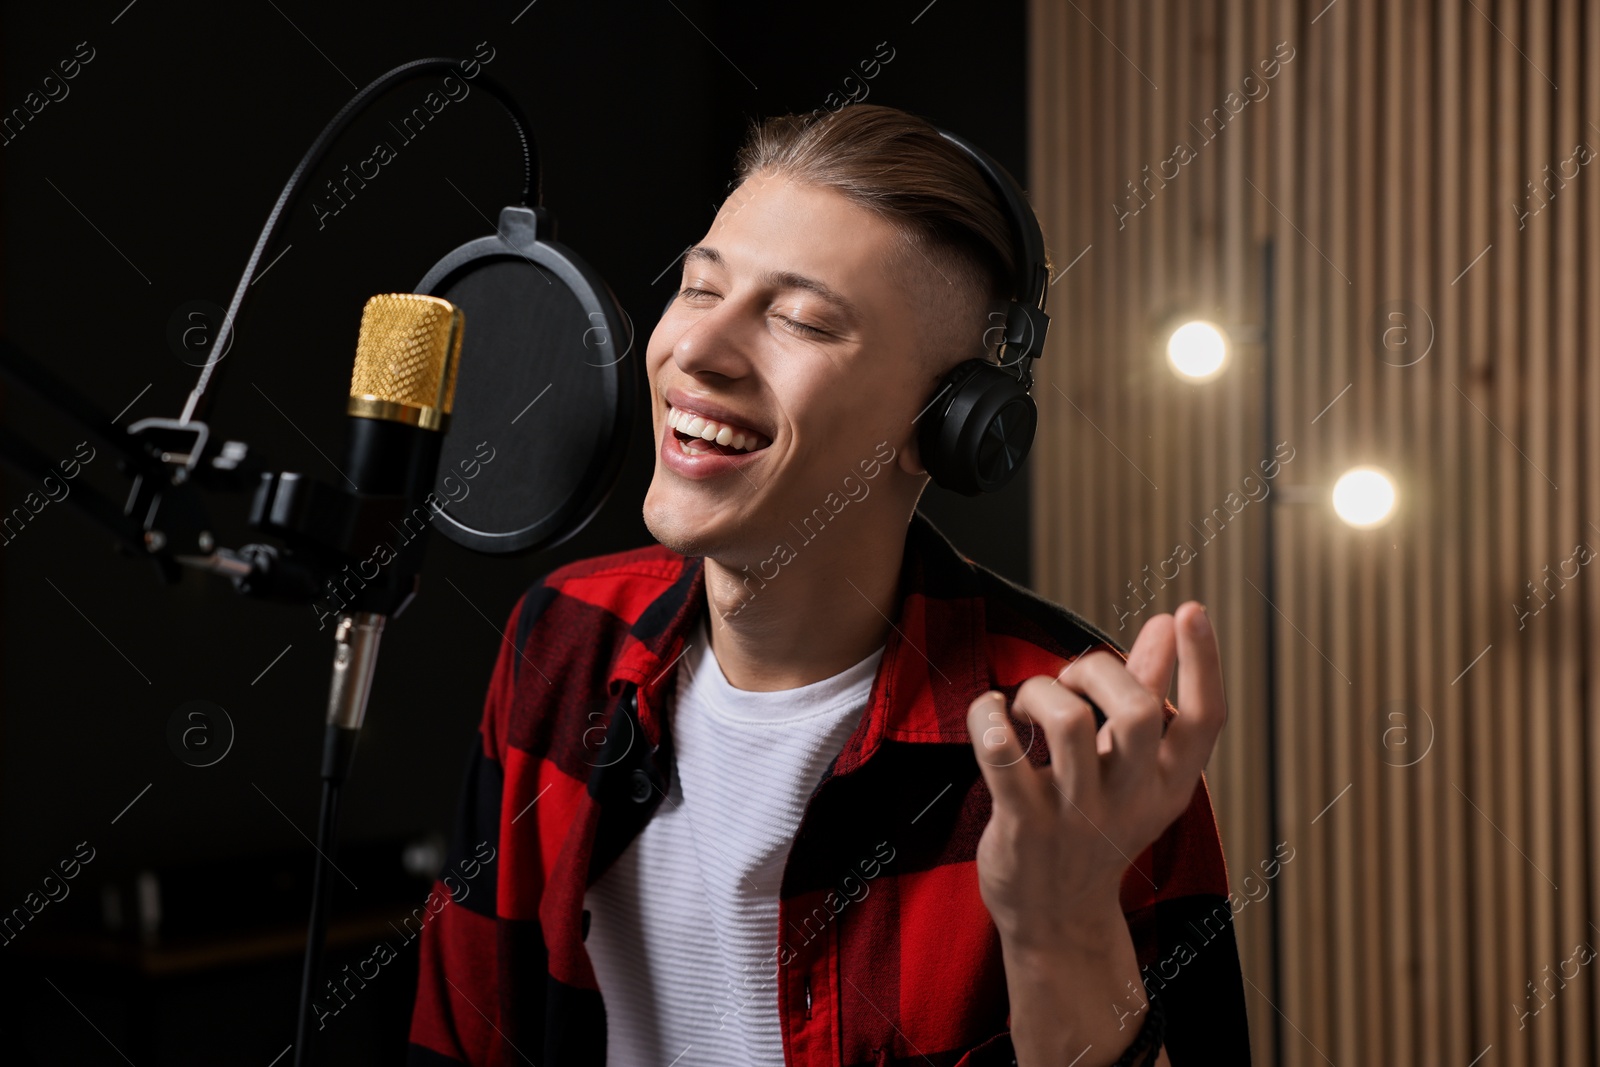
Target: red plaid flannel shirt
575, 754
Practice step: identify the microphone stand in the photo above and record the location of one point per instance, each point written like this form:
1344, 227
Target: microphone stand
355, 656
165, 520
164, 517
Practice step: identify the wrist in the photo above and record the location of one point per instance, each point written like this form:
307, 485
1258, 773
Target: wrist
1082, 935
1074, 991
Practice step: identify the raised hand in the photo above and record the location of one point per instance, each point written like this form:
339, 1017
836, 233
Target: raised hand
1060, 837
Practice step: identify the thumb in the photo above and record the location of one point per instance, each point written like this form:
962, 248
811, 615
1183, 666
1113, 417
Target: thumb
1002, 757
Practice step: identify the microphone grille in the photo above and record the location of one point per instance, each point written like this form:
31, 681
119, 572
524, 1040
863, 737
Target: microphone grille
406, 359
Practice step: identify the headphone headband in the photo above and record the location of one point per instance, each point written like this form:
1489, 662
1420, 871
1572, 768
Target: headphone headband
1032, 279
977, 430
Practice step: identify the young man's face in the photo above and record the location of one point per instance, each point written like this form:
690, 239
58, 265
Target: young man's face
817, 413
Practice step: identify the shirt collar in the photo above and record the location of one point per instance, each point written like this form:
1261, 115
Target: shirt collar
934, 665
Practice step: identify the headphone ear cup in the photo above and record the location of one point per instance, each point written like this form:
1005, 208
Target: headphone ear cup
976, 436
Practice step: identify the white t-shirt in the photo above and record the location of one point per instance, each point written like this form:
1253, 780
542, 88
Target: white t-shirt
683, 927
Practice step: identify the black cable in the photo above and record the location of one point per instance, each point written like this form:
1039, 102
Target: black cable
417, 68
338, 753
317, 933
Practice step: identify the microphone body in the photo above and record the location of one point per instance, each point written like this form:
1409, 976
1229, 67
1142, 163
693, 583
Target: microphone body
401, 390
394, 465
364, 540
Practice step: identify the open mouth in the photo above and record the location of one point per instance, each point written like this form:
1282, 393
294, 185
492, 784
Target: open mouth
697, 435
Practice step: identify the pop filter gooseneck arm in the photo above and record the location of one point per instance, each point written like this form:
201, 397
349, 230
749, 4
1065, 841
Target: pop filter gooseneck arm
198, 400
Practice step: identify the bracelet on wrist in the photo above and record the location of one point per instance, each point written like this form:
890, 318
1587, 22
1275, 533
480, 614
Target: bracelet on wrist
1146, 1045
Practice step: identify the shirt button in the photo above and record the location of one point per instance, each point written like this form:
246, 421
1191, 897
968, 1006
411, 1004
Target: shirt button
639, 786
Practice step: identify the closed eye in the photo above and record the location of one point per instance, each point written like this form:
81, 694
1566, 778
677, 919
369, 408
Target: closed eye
800, 327
792, 325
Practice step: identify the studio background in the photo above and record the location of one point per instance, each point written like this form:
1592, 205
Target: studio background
1411, 706
142, 191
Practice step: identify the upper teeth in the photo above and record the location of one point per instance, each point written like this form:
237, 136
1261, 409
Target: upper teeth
722, 433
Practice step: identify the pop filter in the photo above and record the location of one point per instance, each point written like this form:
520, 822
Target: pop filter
545, 395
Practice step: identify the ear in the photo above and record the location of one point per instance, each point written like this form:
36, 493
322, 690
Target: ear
908, 460
909, 455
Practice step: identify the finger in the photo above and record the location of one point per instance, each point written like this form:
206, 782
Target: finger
1002, 758
1154, 655
1133, 714
1069, 728
1202, 708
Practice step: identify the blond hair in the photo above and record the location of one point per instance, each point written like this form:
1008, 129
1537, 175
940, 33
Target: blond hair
896, 165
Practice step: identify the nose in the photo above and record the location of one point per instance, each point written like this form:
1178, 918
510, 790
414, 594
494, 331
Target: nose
715, 341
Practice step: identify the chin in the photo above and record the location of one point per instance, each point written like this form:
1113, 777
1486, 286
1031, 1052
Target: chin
675, 524
733, 533
671, 536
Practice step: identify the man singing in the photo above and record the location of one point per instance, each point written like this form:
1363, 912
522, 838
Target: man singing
801, 784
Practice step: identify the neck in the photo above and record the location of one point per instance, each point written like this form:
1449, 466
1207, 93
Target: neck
812, 609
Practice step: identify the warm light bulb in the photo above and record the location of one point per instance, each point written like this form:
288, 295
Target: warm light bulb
1364, 497
1197, 350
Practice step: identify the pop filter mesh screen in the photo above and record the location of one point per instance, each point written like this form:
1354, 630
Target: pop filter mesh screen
535, 403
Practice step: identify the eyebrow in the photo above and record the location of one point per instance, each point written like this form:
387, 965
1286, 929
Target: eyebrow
781, 279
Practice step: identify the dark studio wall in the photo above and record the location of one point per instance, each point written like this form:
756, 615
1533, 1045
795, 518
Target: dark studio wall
142, 190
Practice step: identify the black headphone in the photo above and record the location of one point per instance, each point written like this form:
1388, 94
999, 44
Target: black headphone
977, 429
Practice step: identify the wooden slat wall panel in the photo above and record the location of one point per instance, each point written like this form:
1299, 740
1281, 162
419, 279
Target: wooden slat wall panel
1567, 650
1442, 876
1438, 234
1381, 614
1587, 213
1502, 398
1306, 890
1493, 971
1538, 495
1348, 153
1423, 782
